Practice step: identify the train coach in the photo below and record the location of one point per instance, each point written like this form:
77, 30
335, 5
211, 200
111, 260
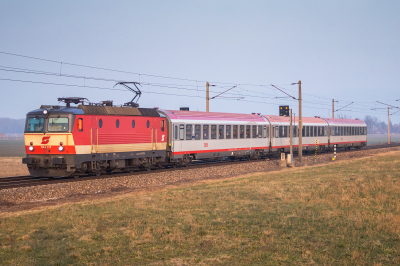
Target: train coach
62, 141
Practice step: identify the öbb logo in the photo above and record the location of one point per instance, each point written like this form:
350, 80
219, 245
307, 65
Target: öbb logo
45, 140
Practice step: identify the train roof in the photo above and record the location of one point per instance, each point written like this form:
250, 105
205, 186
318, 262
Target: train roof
212, 116
96, 110
285, 119
344, 122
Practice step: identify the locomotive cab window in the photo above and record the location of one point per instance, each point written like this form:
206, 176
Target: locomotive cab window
213, 131
181, 132
58, 124
188, 132
34, 124
264, 132
197, 132
162, 125
80, 124
206, 131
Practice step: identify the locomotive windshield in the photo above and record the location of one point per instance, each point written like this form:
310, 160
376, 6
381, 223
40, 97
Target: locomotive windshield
35, 124
58, 124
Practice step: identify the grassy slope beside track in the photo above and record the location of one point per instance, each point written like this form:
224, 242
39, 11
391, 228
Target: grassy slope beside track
347, 213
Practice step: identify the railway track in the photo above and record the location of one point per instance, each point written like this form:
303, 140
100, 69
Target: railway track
27, 181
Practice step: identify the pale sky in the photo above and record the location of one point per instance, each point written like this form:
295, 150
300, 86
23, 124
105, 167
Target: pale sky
346, 50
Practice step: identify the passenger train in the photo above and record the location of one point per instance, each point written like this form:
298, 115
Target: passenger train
63, 141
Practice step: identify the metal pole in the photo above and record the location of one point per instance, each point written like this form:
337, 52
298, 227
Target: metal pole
291, 137
333, 108
207, 97
388, 127
316, 148
300, 127
334, 152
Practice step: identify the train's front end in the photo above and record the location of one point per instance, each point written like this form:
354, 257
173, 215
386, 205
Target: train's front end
49, 143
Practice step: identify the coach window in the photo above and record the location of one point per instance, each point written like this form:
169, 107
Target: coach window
221, 132
206, 131
294, 128
228, 132
100, 123
310, 131
315, 131
133, 124
181, 132
303, 131
280, 132
213, 131
188, 132
260, 135
235, 131
162, 125
176, 132
117, 123
242, 132
197, 132
254, 132
353, 130
80, 124
247, 132
148, 123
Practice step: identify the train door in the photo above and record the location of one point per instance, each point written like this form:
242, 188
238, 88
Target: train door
94, 135
154, 138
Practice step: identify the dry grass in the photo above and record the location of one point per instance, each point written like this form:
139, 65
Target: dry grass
346, 213
12, 166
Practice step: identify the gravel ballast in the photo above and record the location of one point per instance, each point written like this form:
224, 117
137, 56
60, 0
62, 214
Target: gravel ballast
130, 182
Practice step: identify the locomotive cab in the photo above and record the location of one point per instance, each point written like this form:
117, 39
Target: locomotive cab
49, 143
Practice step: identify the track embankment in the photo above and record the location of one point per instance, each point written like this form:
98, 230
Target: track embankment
12, 199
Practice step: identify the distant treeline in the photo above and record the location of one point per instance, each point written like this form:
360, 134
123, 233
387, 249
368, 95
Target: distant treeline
12, 126
375, 127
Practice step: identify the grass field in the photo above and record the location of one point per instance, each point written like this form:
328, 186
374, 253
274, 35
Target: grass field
347, 213
381, 138
12, 148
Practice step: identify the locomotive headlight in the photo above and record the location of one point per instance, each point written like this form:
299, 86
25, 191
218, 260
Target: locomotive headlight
61, 148
30, 148
45, 112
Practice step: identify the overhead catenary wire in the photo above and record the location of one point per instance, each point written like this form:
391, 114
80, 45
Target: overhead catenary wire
175, 86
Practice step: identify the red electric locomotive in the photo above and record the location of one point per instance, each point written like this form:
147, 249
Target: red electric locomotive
72, 141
